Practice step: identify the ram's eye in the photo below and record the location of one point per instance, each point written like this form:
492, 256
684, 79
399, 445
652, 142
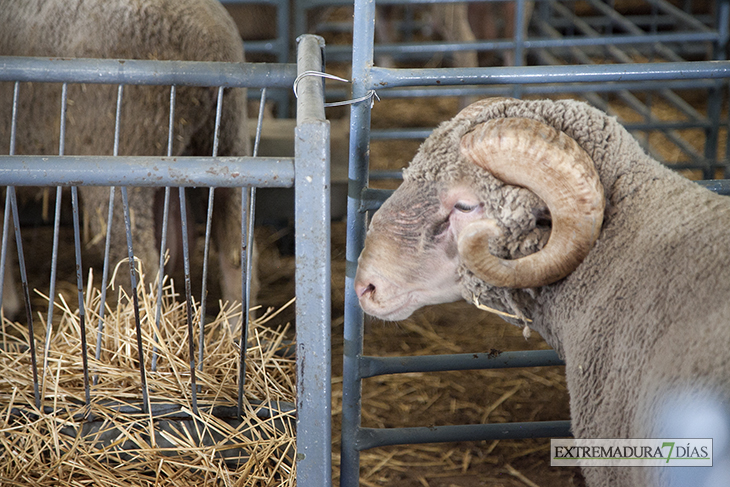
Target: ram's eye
464, 207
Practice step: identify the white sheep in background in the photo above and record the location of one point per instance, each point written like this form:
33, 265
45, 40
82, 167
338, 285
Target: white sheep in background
193, 30
505, 204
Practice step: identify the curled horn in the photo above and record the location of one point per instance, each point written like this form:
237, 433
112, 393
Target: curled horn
531, 154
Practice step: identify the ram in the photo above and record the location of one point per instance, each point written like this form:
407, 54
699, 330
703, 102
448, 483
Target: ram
191, 30
551, 212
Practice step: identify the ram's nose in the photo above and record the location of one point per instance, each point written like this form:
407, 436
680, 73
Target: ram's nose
368, 284
364, 289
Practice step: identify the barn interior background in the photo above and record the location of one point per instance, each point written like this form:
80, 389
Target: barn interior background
681, 120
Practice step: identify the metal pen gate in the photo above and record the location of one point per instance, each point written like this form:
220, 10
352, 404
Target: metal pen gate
307, 172
638, 59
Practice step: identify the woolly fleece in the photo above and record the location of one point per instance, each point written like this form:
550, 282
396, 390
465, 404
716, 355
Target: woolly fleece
646, 316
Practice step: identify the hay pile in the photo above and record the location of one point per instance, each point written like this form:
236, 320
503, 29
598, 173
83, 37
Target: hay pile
115, 441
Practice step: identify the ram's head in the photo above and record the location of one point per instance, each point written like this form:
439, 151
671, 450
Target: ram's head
447, 218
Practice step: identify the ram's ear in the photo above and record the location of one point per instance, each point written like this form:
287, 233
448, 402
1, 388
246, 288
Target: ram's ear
531, 154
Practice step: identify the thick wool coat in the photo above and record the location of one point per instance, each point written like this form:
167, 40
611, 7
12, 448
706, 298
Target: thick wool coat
644, 319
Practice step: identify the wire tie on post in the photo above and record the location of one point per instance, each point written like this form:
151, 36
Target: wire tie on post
370, 95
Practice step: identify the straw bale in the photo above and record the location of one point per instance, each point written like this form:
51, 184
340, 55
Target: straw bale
115, 441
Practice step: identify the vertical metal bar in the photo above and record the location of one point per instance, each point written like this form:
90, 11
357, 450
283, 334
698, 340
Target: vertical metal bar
188, 298
649, 95
107, 243
409, 23
723, 26
726, 172
715, 100
52, 286
359, 148
243, 343
714, 109
77, 249
104, 279
160, 277
283, 36
252, 209
6, 216
62, 127
204, 278
208, 225
248, 207
163, 239
56, 231
607, 31
135, 301
300, 17
282, 31
609, 28
259, 122
80, 289
26, 294
519, 39
545, 11
313, 281
3, 261
250, 215
520, 29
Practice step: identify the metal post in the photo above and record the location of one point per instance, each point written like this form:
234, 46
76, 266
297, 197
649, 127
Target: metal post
312, 227
362, 61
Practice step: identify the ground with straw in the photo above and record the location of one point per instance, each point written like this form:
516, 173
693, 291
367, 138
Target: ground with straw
112, 441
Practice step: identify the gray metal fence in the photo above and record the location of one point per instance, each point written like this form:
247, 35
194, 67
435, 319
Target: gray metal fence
275, 45
636, 59
307, 172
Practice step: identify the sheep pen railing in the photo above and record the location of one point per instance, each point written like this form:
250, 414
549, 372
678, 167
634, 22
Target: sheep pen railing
566, 34
224, 421
566, 65
271, 46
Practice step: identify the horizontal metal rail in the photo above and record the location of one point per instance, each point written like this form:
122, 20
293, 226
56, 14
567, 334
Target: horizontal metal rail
374, 366
332, 3
537, 89
495, 45
146, 171
659, 20
719, 186
375, 437
391, 78
143, 72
